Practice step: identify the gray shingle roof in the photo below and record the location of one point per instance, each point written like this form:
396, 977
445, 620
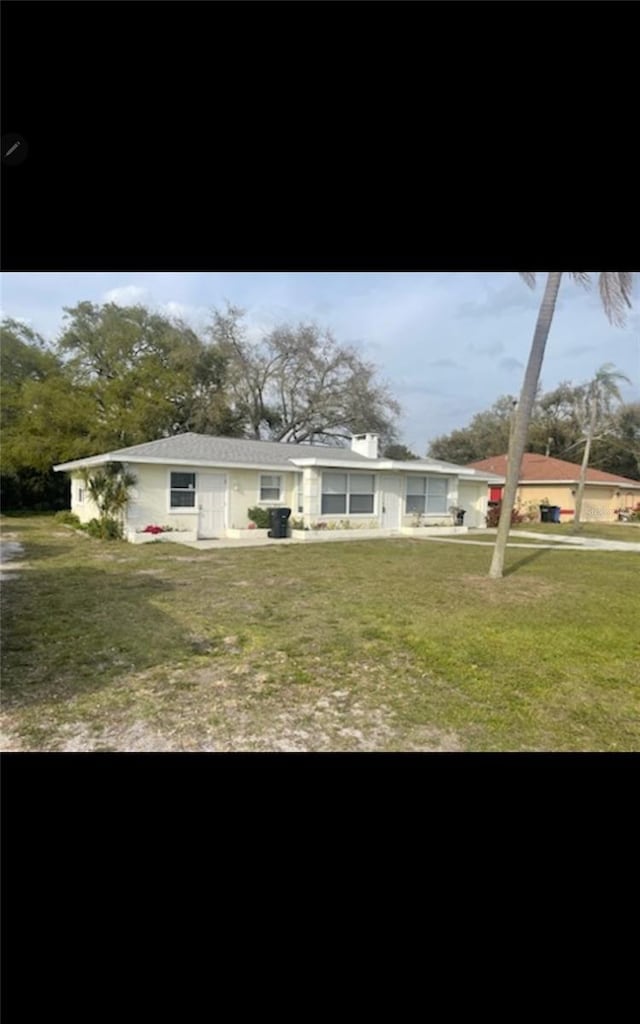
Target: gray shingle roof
206, 448
215, 451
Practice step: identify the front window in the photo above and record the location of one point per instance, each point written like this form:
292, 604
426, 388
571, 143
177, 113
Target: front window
80, 495
426, 495
361, 489
299, 493
183, 490
334, 494
352, 492
269, 488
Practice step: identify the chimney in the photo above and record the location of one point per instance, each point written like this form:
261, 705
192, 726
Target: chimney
365, 444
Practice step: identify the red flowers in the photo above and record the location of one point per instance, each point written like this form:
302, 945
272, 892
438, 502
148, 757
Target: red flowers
153, 529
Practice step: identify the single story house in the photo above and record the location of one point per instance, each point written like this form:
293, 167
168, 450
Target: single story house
548, 481
206, 485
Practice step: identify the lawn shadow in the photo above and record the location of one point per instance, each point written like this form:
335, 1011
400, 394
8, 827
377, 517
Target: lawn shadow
511, 569
75, 630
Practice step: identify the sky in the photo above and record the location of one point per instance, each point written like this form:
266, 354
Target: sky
447, 344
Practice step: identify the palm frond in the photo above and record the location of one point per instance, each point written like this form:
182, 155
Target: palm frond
615, 292
581, 277
528, 277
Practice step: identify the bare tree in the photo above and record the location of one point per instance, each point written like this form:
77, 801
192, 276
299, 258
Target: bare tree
615, 292
299, 384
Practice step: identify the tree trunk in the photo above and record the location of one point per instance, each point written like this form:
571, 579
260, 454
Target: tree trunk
518, 441
583, 471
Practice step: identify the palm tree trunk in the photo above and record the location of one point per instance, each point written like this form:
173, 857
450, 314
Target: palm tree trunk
583, 471
518, 441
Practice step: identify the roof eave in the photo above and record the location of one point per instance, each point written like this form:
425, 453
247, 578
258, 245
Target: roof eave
620, 484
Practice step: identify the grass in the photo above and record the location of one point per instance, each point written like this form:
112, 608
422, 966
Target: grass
553, 532
376, 645
603, 531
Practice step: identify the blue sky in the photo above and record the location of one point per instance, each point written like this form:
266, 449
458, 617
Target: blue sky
447, 344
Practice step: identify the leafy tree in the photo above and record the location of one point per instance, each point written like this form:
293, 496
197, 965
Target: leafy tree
615, 292
599, 396
399, 452
556, 428
298, 384
117, 376
29, 371
147, 376
618, 449
555, 420
486, 435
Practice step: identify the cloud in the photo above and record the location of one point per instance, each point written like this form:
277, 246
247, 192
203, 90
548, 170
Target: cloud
510, 365
515, 295
127, 295
491, 348
405, 387
194, 315
443, 363
579, 350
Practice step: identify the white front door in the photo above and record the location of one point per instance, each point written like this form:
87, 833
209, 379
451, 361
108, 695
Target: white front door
391, 502
212, 491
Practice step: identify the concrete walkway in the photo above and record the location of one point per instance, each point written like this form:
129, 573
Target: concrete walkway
591, 543
558, 544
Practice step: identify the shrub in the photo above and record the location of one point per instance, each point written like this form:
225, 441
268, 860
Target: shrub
531, 512
296, 524
67, 518
259, 516
493, 515
106, 528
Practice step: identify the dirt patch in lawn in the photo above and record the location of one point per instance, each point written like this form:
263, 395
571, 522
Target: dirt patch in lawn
9, 740
232, 705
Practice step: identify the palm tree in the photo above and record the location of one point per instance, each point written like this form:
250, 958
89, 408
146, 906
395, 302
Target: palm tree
615, 292
599, 396
109, 490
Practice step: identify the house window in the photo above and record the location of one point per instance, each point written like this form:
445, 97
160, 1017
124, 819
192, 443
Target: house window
299, 495
427, 495
269, 488
361, 489
183, 490
352, 491
80, 495
334, 494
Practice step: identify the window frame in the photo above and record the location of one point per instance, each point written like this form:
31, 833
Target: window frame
270, 501
349, 493
299, 493
183, 509
425, 496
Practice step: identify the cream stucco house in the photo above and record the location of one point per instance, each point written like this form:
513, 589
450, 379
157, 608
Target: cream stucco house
204, 485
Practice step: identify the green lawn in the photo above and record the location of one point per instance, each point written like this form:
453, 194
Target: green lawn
604, 531
370, 645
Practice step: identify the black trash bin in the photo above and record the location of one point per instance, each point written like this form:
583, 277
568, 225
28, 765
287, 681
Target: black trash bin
545, 513
460, 516
279, 524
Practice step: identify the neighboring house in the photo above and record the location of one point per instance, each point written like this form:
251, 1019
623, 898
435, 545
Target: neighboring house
544, 480
206, 485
